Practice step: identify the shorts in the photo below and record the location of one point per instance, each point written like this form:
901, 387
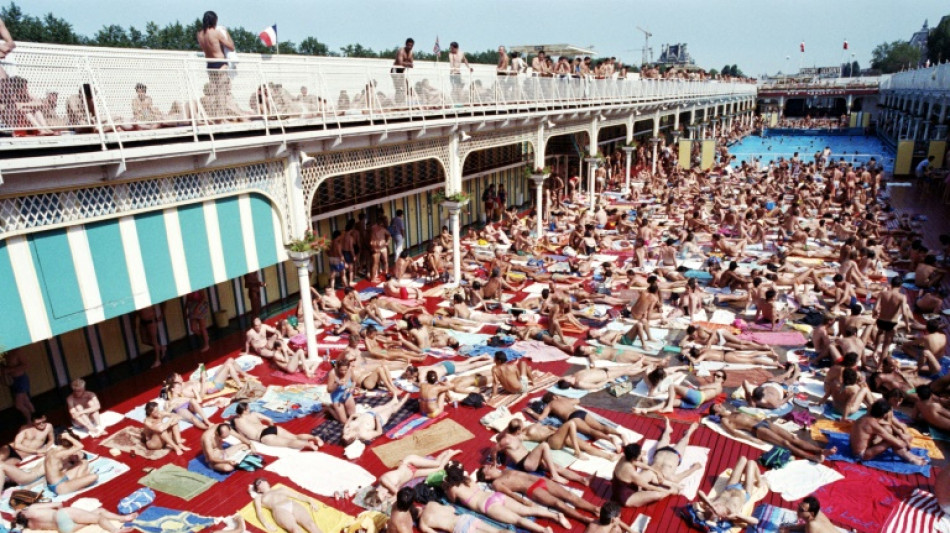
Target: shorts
20, 385
692, 399
403, 293
886, 325
348, 257
337, 264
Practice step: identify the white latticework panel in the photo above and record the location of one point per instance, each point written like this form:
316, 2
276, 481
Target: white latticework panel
52, 209
329, 164
493, 140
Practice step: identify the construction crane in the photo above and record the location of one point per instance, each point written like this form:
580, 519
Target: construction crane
647, 51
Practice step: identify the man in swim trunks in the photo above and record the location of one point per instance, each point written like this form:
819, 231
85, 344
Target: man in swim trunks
14, 369
513, 378
33, 439
598, 378
214, 43
219, 458
812, 519
890, 307
769, 395
928, 347
568, 409
84, 408
541, 490
720, 338
257, 427
874, 433
634, 483
379, 238
748, 427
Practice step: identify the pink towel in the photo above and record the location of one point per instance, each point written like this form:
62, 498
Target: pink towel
403, 302
539, 352
775, 338
319, 378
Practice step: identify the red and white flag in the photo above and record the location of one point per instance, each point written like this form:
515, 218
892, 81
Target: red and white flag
436, 49
269, 36
845, 44
802, 47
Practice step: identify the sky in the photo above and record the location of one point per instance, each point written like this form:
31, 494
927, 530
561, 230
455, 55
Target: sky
757, 35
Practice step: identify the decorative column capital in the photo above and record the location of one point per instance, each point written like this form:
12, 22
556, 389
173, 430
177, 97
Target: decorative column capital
539, 178
629, 149
453, 207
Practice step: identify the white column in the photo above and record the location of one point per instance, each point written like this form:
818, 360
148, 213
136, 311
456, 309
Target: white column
299, 211
628, 150
656, 143
455, 226
591, 168
302, 262
539, 186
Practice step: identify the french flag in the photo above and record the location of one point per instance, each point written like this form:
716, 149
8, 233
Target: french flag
269, 36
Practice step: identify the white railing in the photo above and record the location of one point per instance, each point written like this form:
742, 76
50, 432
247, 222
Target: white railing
935, 78
90, 94
819, 83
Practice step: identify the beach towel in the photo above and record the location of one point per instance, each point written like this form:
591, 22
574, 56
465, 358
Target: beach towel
309, 471
129, 439
864, 499
722, 481
319, 376
199, 465
542, 380
887, 461
564, 458
107, 419
412, 424
919, 440
595, 466
775, 338
585, 362
694, 454
331, 431
481, 349
408, 302
163, 520
642, 388
175, 480
435, 438
723, 316
535, 288
771, 519
758, 412
799, 478
328, 519
919, 514
386, 507
107, 469
831, 413
569, 393
468, 339
369, 293
539, 352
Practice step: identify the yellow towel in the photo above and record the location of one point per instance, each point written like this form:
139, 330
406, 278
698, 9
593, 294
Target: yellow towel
720, 485
328, 519
844, 426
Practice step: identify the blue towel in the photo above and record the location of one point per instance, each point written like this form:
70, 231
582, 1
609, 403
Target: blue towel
701, 275
833, 414
163, 520
278, 417
569, 393
475, 351
887, 461
199, 466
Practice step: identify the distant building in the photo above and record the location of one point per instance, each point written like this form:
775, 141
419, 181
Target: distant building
675, 55
919, 41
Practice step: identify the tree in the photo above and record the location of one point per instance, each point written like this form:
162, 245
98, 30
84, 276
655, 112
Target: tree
312, 47
113, 35
894, 56
938, 42
855, 69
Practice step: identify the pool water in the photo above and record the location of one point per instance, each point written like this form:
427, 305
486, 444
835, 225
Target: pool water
856, 149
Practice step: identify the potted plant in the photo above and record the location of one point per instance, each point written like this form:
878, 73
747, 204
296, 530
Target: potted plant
302, 249
456, 200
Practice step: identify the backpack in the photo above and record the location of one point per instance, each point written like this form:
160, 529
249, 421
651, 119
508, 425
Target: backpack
474, 400
775, 458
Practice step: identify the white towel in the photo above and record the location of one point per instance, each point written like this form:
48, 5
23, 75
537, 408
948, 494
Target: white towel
722, 316
106, 419
694, 454
595, 466
643, 389
309, 470
800, 478
535, 288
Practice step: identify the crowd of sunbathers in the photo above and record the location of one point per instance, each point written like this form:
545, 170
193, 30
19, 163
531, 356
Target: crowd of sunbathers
792, 246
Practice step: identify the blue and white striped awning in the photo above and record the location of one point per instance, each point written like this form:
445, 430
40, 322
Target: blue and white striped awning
59, 280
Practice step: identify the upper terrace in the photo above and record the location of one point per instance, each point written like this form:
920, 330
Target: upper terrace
88, 98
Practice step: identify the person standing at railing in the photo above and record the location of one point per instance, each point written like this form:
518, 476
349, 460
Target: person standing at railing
456, 58
5, 48
398, 72
215, 44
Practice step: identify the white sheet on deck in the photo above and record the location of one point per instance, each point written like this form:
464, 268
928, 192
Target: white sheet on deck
310, 470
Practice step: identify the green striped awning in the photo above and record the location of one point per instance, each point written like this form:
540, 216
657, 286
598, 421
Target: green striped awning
59, 280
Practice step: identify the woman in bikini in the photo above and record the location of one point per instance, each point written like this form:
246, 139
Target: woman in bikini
432, 395
560, 438
340, 385
288, 507
728, 504
368, 425
200, 386
411, 467
544, 491
495, 505
188, 409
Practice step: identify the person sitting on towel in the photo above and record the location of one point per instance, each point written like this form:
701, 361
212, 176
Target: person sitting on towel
221, 458
876, 432
635, 483
368, 425
748, 427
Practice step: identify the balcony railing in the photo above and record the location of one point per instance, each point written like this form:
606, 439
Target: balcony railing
86, 95
935, 78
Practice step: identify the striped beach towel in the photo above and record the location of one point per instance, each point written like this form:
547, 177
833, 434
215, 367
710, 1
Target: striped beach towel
920, 513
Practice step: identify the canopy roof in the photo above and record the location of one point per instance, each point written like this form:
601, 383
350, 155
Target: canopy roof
554, 50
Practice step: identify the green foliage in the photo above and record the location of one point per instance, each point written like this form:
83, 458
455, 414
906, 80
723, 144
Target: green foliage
850, 70
938, 42
894, 56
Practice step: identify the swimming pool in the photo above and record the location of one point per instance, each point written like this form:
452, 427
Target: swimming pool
854, 149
